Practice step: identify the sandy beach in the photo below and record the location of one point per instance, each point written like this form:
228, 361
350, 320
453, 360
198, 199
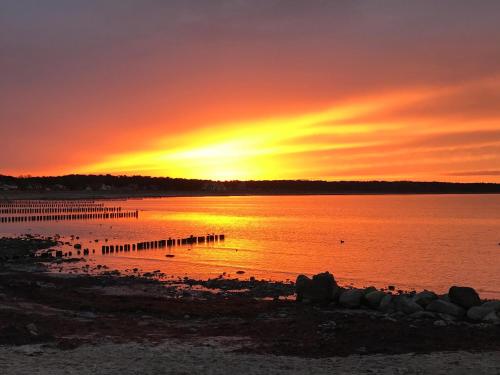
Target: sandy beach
210, 357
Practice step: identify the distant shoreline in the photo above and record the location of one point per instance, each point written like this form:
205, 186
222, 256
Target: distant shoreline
121, 187
83, 194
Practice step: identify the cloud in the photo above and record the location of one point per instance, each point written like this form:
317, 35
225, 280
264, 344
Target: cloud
476, 173
122, 84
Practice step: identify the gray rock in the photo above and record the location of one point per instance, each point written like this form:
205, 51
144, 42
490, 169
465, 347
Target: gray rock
406, 305
444, 297
386, 304
441, 306
424, 298
423, 315
369, 289
447, 317
464, 296
303, 286
373, 299
351, 298
477, 313
322, 288
492, 305
492, 317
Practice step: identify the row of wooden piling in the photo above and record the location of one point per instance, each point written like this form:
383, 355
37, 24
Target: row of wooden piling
83, 216
51, 203
4, 211
106, 249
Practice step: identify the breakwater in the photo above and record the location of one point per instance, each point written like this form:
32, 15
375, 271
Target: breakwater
165, 243
24, 211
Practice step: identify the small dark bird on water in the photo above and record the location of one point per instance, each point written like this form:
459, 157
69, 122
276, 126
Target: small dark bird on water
341, 241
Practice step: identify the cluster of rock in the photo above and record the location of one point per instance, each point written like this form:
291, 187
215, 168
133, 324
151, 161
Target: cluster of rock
459, 303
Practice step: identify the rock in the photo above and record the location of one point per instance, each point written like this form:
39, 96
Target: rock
464, 296
325, 285
492, 317
303, 288
322, 288
424, 298
444, 297
492, 305
477, 313
406, 305
447, 317
441, 306
423, 315
369, 290
351, 298
373, 299
386, 304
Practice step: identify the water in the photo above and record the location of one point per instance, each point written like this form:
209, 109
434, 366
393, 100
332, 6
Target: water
430, 241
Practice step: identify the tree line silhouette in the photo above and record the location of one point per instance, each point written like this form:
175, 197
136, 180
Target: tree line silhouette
166, 184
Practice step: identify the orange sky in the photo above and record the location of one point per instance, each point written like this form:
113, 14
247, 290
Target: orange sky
252, 90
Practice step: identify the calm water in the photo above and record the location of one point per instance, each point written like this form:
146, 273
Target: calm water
408, 241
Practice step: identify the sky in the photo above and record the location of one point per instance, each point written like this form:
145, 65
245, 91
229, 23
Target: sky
262, 89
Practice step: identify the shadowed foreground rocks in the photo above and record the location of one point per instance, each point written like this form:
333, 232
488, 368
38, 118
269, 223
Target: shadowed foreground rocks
459, 304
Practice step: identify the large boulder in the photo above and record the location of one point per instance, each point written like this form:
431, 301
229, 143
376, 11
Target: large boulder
303, 288
322, 288
351, 298
444, 307
492, 305
464, 296
369, 290
424, 298
373, 299
492, 317
478, 313
406, 305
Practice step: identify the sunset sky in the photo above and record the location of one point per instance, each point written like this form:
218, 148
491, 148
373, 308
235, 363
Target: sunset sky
336, 90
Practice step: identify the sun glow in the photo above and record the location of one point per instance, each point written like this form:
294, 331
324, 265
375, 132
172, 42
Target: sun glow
354, 140
252, 149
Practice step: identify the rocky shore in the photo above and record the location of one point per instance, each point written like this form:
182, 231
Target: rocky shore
310, 318
461, 303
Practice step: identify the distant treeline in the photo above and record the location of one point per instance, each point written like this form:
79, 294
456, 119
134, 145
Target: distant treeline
166, 184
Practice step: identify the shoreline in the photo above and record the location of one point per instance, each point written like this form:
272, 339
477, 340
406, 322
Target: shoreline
86, 195
62, 311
